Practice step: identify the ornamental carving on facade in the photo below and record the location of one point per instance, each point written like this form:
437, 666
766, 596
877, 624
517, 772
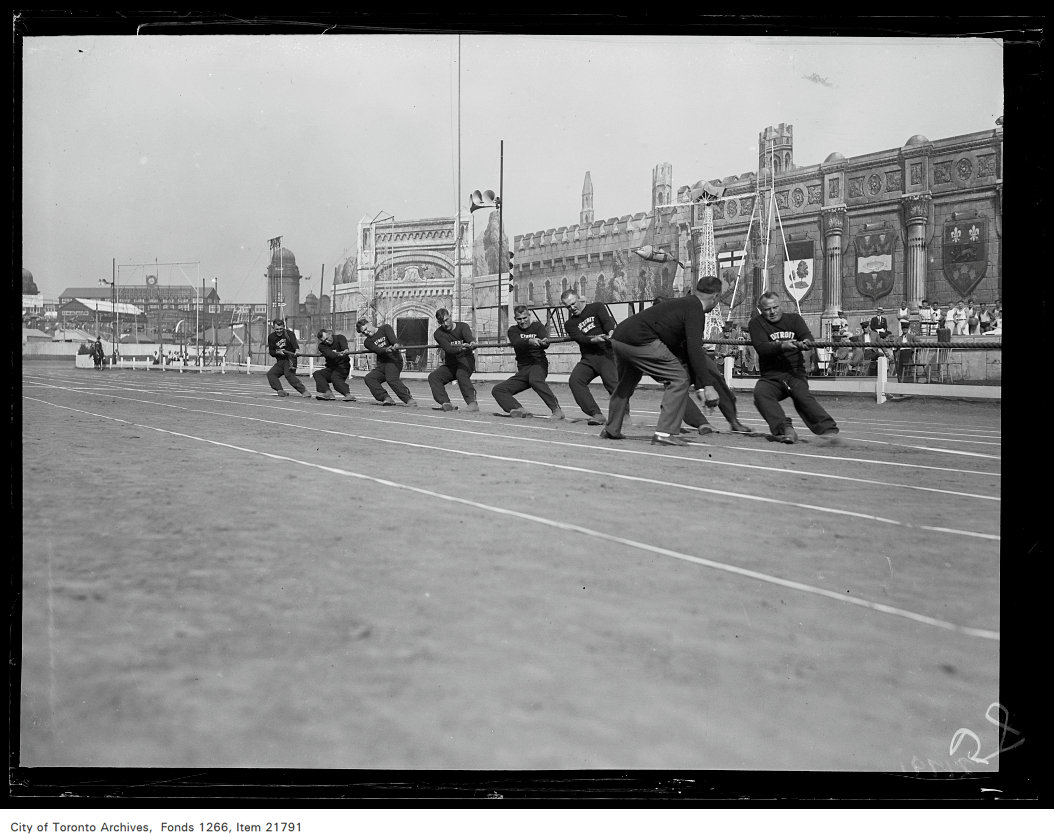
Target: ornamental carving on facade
719, 211
874, 184
832, 188
781, 199
893, 181
814, 194
798, 196
856, 187
964, 169
833, 219
746, 205
986, 165
942, 172
730, 208
916, 173
917, 206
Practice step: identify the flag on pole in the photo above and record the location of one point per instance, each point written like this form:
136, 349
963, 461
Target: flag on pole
731, 259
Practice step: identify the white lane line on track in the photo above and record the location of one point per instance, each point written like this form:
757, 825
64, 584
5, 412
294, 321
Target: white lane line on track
731, 446
878, 424
569, 527
962, 452
908, 436
690, 487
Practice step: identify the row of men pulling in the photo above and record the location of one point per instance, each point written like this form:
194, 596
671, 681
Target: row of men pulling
664, 341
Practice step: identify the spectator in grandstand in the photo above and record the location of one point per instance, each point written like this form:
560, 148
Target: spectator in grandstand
839, 322
879, 326
984, 318
334, 349
944, 332
283, 346
383, 342
903, 315
925, 318
529, 340
959, 319
749, 364
456, 343
903, 355
779, 338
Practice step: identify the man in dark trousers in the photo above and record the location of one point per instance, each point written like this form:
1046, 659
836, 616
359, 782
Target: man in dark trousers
283, 346
779, 338
645, 344
591, 325
457, 343
97, 354
381, 341
529, 340
714, 390
334, 349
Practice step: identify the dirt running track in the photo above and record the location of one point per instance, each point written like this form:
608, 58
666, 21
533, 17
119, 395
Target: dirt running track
215, 577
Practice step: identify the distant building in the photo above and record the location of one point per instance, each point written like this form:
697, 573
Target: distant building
881, 229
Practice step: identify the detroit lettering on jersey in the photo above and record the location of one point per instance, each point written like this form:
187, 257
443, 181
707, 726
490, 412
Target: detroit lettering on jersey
782, 335
588, 325
281, 343
529, 336
380, 340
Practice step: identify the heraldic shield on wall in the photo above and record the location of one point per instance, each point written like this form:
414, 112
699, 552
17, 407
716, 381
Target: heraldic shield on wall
965, 253
799, 269
874, 264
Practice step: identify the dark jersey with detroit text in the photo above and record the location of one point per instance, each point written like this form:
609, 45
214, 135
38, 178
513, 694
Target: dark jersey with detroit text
279, 342
526, 352
379, 343
594, 320
766, 336
451, 342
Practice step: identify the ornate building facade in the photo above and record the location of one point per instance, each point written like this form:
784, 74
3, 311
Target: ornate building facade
923, 221
405, 270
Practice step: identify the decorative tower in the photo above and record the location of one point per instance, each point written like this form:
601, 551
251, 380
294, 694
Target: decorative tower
779, 142
586, 217
661, 185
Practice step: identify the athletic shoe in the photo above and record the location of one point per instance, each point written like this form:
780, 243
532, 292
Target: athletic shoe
472, 406
282, 393
324, 397
449, 407
558, 414
349, 399
667, 440
517, 412
411, 403
788, 435
596, 420
739, 428
387, 402
305, 393
829, 432
705, 429
607, 435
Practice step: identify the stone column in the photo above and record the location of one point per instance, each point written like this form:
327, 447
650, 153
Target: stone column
916, 218
833, 224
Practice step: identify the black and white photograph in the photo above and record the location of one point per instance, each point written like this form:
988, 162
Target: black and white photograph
448, 400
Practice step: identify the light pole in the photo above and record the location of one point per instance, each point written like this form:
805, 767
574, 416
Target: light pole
113, 313
488, 199
215, 334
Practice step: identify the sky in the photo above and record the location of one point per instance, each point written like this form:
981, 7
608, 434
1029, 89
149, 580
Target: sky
199, 149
